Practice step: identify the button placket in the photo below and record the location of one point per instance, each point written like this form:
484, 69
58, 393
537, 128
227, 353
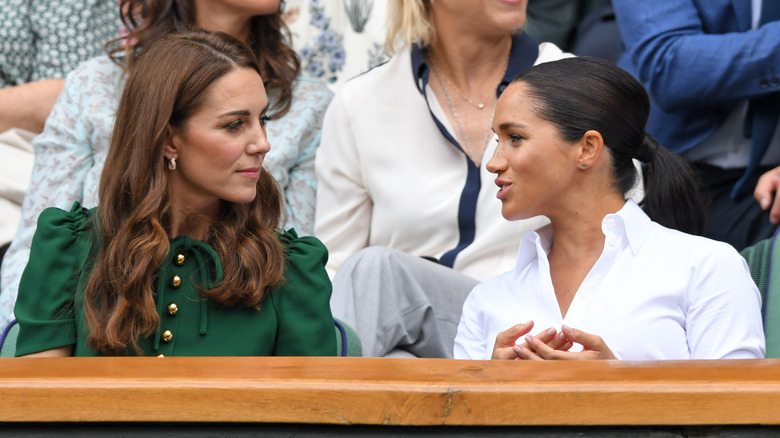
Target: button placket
169, 324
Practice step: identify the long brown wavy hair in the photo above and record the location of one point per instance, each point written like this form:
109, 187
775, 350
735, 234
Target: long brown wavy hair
166, 86
270, 41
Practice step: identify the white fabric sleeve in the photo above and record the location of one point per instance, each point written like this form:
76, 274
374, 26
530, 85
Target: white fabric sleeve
343, 214
723, 319
470, 341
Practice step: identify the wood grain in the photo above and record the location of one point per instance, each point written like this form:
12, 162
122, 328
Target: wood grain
389, 391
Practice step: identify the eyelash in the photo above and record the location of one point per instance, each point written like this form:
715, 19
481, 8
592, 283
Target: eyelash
236, 124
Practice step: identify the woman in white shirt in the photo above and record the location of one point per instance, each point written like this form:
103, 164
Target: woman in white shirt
607, 279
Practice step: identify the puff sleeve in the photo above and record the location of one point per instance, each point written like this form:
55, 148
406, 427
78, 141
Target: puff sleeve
305, 322
45, 304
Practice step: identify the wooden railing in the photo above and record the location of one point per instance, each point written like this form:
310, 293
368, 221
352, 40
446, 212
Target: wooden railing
373, 391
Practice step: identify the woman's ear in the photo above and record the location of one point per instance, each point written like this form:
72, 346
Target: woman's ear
591, 147
170, 143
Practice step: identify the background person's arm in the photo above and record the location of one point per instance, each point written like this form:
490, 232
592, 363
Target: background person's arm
27, 106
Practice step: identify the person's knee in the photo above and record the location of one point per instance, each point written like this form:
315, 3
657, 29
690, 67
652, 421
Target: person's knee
372, 259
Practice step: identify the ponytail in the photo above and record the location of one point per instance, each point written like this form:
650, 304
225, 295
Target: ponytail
671, 189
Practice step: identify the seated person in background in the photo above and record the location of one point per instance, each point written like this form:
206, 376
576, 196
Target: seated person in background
70, 153
40, 42
400, 177
184, 254
712, 70
620, 281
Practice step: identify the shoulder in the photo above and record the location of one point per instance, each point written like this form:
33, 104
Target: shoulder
95, 74
55, 221
383, 78
97, 66
311, 90
303, 250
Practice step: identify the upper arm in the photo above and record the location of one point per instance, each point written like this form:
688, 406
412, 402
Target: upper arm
723, 319
306, 326
343, 214
685, 61
301, 185
45, 307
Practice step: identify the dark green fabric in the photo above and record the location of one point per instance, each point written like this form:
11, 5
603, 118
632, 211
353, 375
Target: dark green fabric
763, 259
294, 319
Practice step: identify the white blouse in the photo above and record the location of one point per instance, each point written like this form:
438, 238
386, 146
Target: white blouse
654, 293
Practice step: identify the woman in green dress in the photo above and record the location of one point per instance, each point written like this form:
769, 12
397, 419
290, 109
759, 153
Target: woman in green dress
184, 254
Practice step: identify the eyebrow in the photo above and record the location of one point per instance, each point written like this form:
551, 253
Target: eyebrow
508, 125
245, 113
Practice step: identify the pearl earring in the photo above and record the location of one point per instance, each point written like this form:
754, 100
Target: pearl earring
172, 164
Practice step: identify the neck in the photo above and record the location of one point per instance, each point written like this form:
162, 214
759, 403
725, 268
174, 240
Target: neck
466, 57
577, 231
209, 17
193, 220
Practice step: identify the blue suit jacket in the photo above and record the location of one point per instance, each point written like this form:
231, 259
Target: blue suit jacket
696, 58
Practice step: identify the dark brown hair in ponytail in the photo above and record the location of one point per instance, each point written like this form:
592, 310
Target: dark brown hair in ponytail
583, 93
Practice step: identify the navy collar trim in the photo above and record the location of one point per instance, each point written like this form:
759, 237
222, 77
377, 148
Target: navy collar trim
522, 55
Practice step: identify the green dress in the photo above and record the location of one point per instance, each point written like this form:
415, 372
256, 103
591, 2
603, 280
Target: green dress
294, 318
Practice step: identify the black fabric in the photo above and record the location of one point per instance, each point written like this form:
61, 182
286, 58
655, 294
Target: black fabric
740, 222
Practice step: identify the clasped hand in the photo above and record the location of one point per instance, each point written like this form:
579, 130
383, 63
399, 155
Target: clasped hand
549, 344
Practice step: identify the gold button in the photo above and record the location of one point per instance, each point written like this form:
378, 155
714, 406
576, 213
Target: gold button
167, 336
176, 281
180, 259
172, 309
160, 355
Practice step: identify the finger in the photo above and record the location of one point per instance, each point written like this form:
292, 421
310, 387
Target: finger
559, 341
774, 214
593, 346
525, 353
588, 341
508, 337
539, 348
547, 336
766, 187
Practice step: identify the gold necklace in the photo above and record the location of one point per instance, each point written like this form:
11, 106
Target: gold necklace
467, 149
455, 87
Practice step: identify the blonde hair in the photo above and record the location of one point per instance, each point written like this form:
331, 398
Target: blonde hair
408, 22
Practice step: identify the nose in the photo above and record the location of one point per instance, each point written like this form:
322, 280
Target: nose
497, 163
259, 143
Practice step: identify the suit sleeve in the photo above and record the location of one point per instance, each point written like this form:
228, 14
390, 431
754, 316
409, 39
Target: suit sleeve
685, 61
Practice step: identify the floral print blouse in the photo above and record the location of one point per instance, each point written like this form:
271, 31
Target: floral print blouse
70, 153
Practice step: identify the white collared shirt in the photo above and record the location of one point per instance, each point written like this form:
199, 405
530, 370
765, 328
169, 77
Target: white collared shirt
654, 293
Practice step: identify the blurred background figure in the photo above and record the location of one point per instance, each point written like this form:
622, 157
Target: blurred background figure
712, 70
40, 42
337, 39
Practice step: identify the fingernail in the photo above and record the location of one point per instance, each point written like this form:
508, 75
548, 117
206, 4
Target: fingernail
567, 329
550, 331
764, 203
529, 339
562, 335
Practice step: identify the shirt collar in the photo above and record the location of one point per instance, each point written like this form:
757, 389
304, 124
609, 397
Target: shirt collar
522, 55
630, 221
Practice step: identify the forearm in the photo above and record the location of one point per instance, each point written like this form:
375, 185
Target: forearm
27, 106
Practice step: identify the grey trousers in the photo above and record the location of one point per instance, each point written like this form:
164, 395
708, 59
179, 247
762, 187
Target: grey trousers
400, 305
